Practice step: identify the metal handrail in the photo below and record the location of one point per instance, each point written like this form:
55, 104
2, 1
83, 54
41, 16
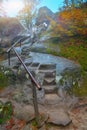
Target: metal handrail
33, 81
30, 75
19, 40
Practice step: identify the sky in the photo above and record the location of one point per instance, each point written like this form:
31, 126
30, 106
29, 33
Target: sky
52, 4
13, 6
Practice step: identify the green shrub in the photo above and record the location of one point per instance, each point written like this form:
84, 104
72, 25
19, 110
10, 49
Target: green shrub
78, 53
3, 78
52, 51
82, 90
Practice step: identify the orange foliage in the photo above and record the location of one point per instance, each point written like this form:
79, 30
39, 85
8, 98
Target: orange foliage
71, 22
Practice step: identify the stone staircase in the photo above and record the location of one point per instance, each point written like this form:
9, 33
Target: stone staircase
49, 83
46, 76
48, 71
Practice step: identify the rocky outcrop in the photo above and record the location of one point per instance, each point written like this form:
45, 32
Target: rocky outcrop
44, 16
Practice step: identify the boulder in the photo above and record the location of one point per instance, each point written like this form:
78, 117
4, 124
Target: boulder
25, 113
59, 117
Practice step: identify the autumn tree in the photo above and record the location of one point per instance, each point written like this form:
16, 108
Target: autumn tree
28, 14
72, 3
71, 22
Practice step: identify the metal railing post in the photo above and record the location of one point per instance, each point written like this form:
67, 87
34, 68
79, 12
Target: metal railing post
35, 105
20, 44
9, 58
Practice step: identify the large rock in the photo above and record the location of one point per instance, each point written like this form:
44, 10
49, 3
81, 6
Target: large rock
59, 117
70, 78
24, 112
37, 47
67, 72
43, 13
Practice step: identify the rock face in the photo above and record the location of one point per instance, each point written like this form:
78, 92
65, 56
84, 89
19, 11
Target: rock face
43, 13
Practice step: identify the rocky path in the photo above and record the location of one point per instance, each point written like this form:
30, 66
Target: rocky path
56, 112
70, 114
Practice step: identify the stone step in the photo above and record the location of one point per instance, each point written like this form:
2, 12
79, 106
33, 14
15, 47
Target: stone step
47, 71
35, 65
32, 69
50, 74
50, 89
28, 63
28, 60
49, 83
49, 80
47, 66
52, 99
